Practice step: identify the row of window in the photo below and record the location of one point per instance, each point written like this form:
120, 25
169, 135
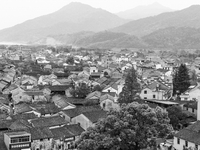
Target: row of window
20, 139
18, 146
186, 143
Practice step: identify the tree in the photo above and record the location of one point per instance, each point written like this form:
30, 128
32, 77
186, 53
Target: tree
130, 89
181, 80
97, 88
81, 91
178, 118
70, 60
134, 126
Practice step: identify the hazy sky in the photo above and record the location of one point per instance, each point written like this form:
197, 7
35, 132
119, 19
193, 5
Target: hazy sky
13, 12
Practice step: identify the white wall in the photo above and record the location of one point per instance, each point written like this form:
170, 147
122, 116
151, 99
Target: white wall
182, 143
159, 95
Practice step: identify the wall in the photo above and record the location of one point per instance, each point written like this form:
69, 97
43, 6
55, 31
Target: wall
84, 122
159, 95
45, 144
182, 143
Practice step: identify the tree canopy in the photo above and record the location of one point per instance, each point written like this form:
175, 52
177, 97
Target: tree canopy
130, 89
134, 126
81, 91
181, 80
178, 118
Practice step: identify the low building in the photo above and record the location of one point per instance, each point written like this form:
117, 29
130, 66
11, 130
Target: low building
17, 140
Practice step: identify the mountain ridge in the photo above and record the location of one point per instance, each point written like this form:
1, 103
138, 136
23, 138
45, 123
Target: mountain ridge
66, 20
143, 11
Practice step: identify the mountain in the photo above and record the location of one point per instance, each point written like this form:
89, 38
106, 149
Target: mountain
172, 37
189, 17
74, 17
143, 11
103, 39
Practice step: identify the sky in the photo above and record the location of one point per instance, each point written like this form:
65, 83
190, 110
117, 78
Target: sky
13, 12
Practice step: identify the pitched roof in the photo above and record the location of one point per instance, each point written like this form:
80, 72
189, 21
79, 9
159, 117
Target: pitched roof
94, 116
67, 131
22, 108
48, 121
95, 93
78, 110
105, 97
191, 133
40, 133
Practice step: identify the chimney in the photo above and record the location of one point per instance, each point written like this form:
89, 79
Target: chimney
198, 108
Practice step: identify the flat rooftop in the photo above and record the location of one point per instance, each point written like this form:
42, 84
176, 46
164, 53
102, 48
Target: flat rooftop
17, 133
162, 102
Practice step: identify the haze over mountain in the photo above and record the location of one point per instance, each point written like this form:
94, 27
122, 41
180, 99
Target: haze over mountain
143, 11
189, 17
74, 17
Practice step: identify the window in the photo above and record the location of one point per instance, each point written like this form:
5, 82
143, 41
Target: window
145, 97
154, 96
178, 141
192, 109
41, 139
20, 139
145, 92
186, 143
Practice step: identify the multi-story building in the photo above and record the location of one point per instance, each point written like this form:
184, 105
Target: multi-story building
16, 140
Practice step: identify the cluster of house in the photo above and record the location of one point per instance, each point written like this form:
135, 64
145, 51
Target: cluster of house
38, 111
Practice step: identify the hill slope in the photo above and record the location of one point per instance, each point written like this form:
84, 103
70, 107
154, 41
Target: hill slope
72, 18
189, 17
143, 11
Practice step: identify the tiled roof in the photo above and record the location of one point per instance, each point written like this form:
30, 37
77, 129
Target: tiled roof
94, 116
77, 111
20, 124
40, 133
48, 121
191, 133
22, 108
105, 97
95, 93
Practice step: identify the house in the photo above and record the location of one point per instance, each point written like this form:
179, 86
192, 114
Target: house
44, 109
34, 96
156, 90
66, 136
111, 88
13, 140
191, 106
52, 121
108, 102
62, 103
69, 114
88, 119
191, 94
188, 137
94, 95
93, 69
41, 138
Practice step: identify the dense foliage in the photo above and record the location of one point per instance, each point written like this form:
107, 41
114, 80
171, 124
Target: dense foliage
130, 89
181, 80
80, 91
134, 126
178, 118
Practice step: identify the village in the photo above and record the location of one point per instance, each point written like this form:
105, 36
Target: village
50, 96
